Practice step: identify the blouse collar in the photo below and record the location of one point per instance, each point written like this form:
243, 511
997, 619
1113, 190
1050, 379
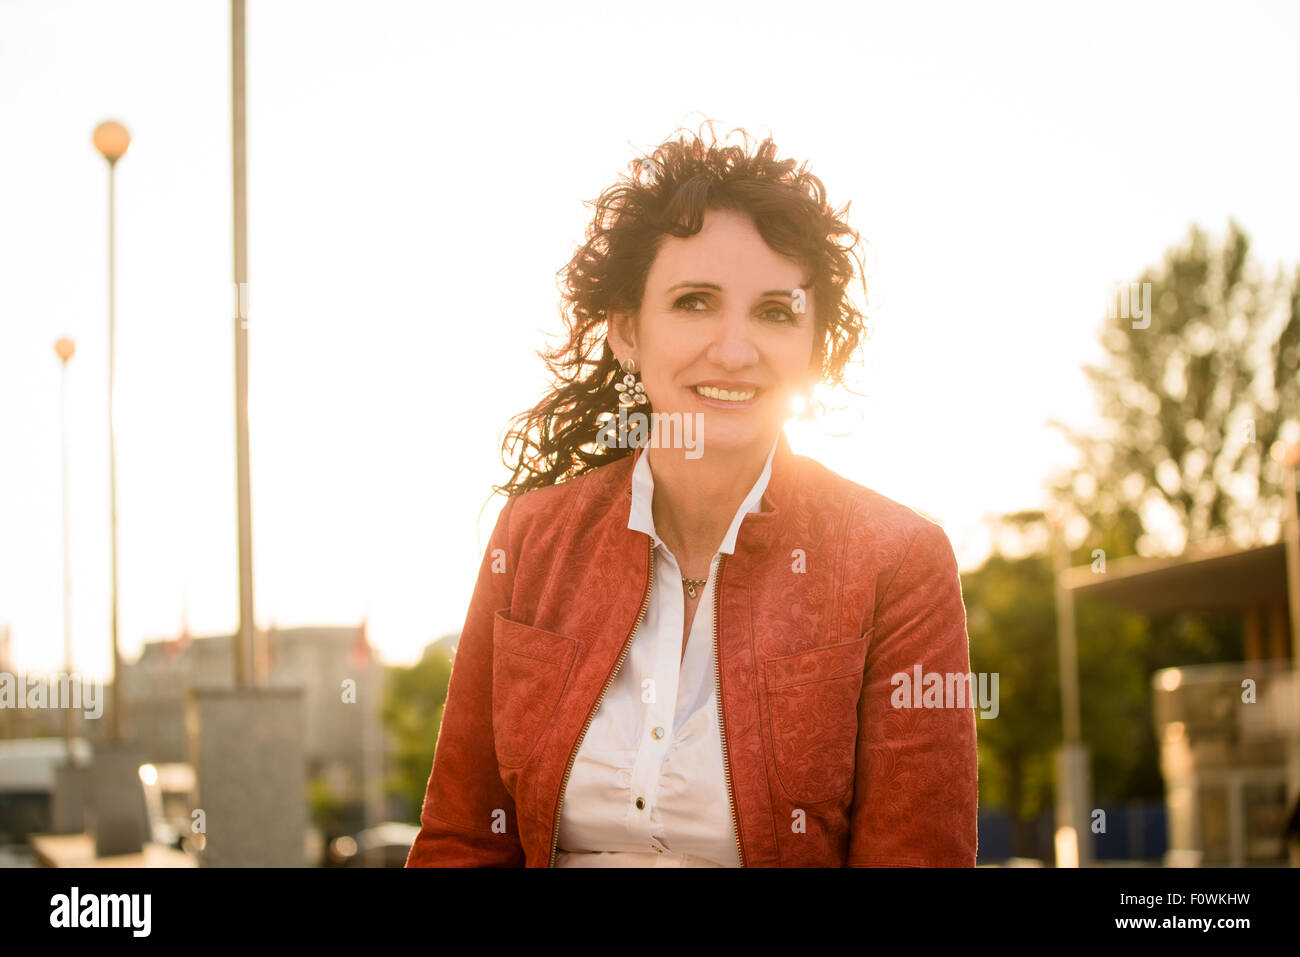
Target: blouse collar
641, 518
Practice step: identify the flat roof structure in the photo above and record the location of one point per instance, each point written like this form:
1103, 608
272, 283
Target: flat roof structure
1217, 576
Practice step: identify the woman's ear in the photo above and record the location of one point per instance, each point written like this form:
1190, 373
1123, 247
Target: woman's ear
621, 333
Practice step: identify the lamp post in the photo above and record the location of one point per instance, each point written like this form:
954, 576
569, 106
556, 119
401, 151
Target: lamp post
112, 140
1073, 838
1288, 456
64, 349
239, 168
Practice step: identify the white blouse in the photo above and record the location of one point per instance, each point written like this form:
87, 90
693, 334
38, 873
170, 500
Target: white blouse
655, 737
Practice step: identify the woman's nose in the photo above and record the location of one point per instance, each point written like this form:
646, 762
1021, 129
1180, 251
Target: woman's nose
732, 346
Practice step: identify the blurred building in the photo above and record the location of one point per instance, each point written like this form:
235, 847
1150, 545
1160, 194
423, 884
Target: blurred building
341, 678
1229, 733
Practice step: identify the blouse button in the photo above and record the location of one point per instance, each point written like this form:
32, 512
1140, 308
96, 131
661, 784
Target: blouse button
640, 804
658, 732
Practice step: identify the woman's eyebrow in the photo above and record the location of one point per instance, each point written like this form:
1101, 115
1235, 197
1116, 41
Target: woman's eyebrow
788, 293
697, 285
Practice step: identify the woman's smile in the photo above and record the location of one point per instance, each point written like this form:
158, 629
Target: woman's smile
727, 395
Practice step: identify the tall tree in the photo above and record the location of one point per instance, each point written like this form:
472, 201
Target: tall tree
412, 715
1201, 375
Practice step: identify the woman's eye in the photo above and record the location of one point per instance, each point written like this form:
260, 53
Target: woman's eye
773, 313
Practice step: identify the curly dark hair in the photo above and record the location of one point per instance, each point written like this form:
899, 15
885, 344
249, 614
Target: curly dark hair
667, 194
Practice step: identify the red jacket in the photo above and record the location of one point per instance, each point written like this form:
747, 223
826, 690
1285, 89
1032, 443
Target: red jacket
832, 590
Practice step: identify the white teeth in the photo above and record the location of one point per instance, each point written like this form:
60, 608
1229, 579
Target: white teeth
725, 395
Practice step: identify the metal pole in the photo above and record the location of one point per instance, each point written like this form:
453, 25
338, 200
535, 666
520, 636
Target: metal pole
244, 641
1072, 759
67, 577
1293, 603
1065, 640
112, 450
367, 771
1292, 555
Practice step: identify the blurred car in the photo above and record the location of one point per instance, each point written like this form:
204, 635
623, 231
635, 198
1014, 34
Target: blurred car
27, 769
384, 845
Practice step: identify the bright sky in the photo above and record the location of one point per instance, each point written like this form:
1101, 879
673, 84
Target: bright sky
417, 174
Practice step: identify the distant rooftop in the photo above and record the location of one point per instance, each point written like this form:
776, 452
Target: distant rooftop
1216, 576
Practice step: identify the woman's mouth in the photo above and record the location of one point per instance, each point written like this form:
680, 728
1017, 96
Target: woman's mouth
716, 395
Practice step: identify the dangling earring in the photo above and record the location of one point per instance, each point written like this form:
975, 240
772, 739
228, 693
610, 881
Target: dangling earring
630, 391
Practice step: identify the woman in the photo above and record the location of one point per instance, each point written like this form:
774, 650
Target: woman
688, 646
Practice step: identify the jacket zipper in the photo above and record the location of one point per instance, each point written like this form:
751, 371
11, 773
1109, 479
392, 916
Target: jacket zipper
722, 732
645, 603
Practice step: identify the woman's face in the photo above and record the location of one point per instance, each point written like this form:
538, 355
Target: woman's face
725, 330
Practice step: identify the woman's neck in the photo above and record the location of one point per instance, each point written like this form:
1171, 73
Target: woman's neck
696, 499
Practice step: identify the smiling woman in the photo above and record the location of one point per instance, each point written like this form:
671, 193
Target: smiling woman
593, 718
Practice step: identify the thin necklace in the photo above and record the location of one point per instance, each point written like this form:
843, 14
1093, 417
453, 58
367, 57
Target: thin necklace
691, 584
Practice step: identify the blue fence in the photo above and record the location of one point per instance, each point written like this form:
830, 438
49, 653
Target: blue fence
1134, 832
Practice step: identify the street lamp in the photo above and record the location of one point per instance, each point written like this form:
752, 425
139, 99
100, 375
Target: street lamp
112, 141
1072, 838
64, 349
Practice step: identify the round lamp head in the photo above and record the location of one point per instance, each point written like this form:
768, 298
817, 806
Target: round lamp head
1285, 454
111, 139
65, 348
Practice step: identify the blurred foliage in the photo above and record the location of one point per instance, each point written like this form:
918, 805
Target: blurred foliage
412, 714
328, 811
1192, 404
1009, 611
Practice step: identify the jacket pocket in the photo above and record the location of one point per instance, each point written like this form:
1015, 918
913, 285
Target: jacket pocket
812, 701
530, 667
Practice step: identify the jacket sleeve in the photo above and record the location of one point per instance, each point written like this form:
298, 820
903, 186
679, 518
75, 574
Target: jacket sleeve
916, 780
468, 816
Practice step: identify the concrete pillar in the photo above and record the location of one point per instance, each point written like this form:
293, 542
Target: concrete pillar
116, 815
71, 791
246, 750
